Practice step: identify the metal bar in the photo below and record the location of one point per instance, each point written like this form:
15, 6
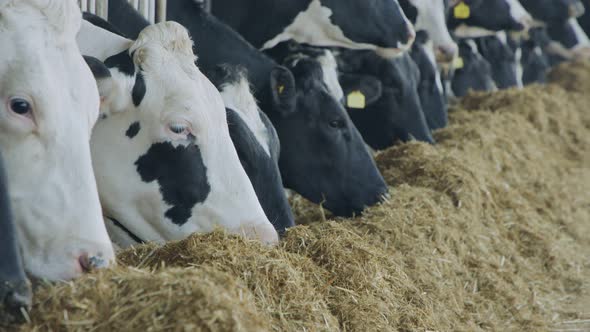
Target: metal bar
152, 11
161, 11
102, 8
92, 6
83, 5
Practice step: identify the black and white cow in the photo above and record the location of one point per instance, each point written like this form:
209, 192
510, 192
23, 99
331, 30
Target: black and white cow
379, 25
49, 106
256, 142
430, 16
163, 156
502, 58
391, 110
15, 289
275, 89
553, 11
466, 17
346, 180
430, 87
473, 72
534, 61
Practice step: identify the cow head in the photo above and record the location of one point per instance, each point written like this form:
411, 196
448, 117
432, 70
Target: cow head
256, 142
430, 16
379, 25
473, 73
553, 11
391, 110
15, 289
534, 61
164, 160
49, 106
430, 88
502, 58
323, 156
495, 15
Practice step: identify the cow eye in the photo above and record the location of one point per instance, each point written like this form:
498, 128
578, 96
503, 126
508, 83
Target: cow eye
20, 106
337, 124
178, 128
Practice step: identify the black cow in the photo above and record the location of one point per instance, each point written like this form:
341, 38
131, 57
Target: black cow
473, 73
377, 24
534, 60
392, 110
502, 58
324, 126
275, 89
495, 15
15, 289
430, 88
553, 11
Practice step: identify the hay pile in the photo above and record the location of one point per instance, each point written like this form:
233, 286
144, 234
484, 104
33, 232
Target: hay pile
488, 230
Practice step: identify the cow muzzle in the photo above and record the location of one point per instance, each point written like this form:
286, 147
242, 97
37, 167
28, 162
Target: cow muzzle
576, 9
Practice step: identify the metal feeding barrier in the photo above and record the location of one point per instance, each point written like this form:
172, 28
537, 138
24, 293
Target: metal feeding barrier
153, 10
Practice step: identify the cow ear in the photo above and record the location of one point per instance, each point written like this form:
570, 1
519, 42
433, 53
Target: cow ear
364, 87
107, 87
283, 92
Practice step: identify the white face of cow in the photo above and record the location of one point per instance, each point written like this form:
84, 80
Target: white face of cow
164, 160
432, 18
49, 105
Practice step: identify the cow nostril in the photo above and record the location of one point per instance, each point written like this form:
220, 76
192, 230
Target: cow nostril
88, 263
84, 261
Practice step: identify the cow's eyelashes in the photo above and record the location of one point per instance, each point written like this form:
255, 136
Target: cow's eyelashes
179, 129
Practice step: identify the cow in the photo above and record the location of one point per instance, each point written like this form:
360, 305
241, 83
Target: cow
472, 72
584, 19
275, 89
430, 16
322, 124
553, 11
502, 58
569, 41
430, 87
534, 61
378, 25
391, 110
49, 107
15, 288
256, 142
467, 18
163, 157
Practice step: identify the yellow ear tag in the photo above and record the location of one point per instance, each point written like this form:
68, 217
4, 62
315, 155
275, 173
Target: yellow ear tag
281, 89
357, 100
462, 11
458, 63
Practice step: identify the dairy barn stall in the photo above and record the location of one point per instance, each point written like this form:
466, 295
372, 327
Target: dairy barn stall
488, 229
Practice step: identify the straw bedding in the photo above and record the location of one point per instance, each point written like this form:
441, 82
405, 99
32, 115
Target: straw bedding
488, 230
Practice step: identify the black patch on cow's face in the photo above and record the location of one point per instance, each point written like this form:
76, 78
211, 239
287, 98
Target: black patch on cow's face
262, 169
476, 73
133, 130
552, 11
15, 290
501, 58
181, 174
481, 16
98, 69
123, 62
410, 11
432, 99
397, 115
139, 89
323, 156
